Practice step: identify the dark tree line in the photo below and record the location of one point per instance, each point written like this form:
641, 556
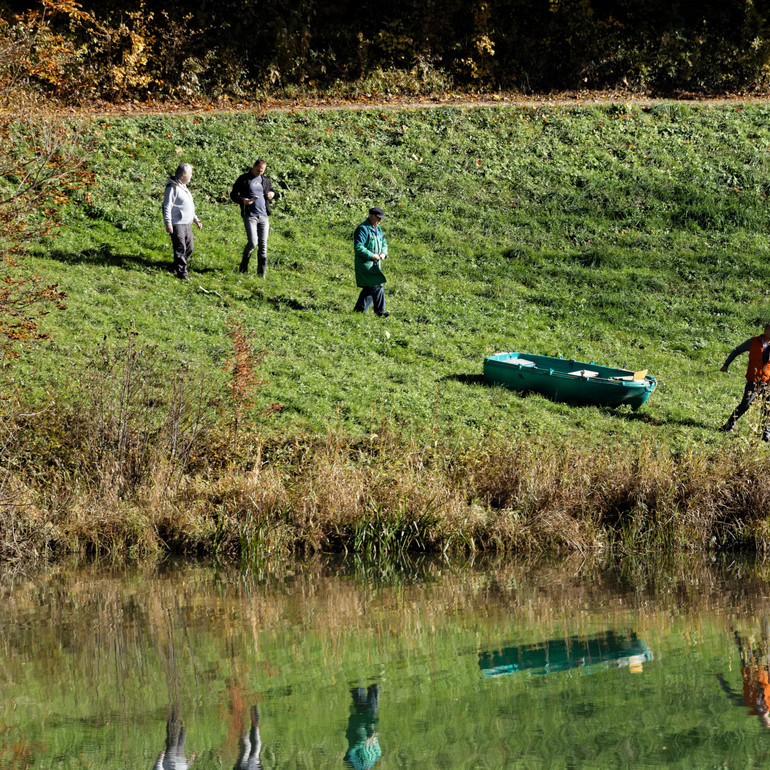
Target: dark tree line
106, 48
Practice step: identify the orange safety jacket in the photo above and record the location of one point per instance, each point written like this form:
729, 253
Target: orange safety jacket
759, 365
756, 689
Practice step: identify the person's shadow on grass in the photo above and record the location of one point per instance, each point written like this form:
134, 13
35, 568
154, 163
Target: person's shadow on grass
106, 255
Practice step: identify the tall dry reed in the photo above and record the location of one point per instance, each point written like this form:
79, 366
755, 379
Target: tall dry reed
384, 499
137, 462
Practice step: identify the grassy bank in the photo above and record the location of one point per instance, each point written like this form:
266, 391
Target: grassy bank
621, 235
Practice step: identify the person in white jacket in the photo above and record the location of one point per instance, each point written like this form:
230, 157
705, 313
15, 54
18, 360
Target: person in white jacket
178, 216
173, 755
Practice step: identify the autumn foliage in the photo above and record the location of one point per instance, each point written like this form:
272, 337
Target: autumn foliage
42, 161
242, 367
103, 50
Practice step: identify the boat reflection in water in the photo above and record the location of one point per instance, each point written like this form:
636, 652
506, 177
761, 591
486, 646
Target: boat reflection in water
592, 653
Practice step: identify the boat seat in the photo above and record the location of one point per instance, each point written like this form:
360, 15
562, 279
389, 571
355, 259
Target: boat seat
635, 377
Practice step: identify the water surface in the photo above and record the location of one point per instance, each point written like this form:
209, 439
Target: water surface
432, 665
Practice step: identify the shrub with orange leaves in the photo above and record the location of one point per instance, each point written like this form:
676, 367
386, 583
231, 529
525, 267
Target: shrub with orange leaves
242, 366
42, 162
244, 379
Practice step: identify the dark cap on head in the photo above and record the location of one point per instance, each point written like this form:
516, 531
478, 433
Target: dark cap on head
377, 211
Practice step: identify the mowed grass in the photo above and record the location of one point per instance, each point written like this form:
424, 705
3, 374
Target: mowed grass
626, 236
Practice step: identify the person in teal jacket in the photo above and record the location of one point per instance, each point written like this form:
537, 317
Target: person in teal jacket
370, 248
363, 743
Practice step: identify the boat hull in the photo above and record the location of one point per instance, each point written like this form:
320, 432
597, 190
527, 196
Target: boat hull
563, 379
591, 653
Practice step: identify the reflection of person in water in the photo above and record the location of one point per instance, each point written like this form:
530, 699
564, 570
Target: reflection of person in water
363, 746
251, 745
173, 757
756, 682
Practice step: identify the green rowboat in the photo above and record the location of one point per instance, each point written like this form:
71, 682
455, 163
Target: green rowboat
564, 379
592, 653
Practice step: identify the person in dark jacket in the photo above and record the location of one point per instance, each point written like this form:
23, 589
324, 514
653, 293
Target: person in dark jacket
253, 191
757, 378
370, 248
173, 755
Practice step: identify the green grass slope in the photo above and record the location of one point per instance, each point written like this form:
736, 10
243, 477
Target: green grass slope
626, 236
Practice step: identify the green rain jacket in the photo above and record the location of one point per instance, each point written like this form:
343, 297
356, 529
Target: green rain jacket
368, 240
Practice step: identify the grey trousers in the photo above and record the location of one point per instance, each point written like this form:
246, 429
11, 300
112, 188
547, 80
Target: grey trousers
257, 230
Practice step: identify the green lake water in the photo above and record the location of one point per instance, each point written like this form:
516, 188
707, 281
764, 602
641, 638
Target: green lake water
428, 666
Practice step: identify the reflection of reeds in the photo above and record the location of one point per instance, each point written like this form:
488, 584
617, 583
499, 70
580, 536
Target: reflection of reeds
96, 609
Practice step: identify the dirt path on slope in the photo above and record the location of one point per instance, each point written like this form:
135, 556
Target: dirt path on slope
376, 102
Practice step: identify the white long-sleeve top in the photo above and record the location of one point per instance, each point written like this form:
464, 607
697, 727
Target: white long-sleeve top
178, 204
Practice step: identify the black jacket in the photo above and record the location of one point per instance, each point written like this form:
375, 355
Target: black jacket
241, 190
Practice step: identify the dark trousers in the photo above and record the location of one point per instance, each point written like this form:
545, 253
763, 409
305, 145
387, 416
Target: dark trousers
369, 295
183, 245
750, 392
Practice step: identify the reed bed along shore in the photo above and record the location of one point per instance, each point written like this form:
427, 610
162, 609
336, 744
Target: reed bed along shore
382, 496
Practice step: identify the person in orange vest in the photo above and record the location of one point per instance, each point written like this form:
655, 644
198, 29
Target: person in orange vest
756, 692
756, 681
757, 377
